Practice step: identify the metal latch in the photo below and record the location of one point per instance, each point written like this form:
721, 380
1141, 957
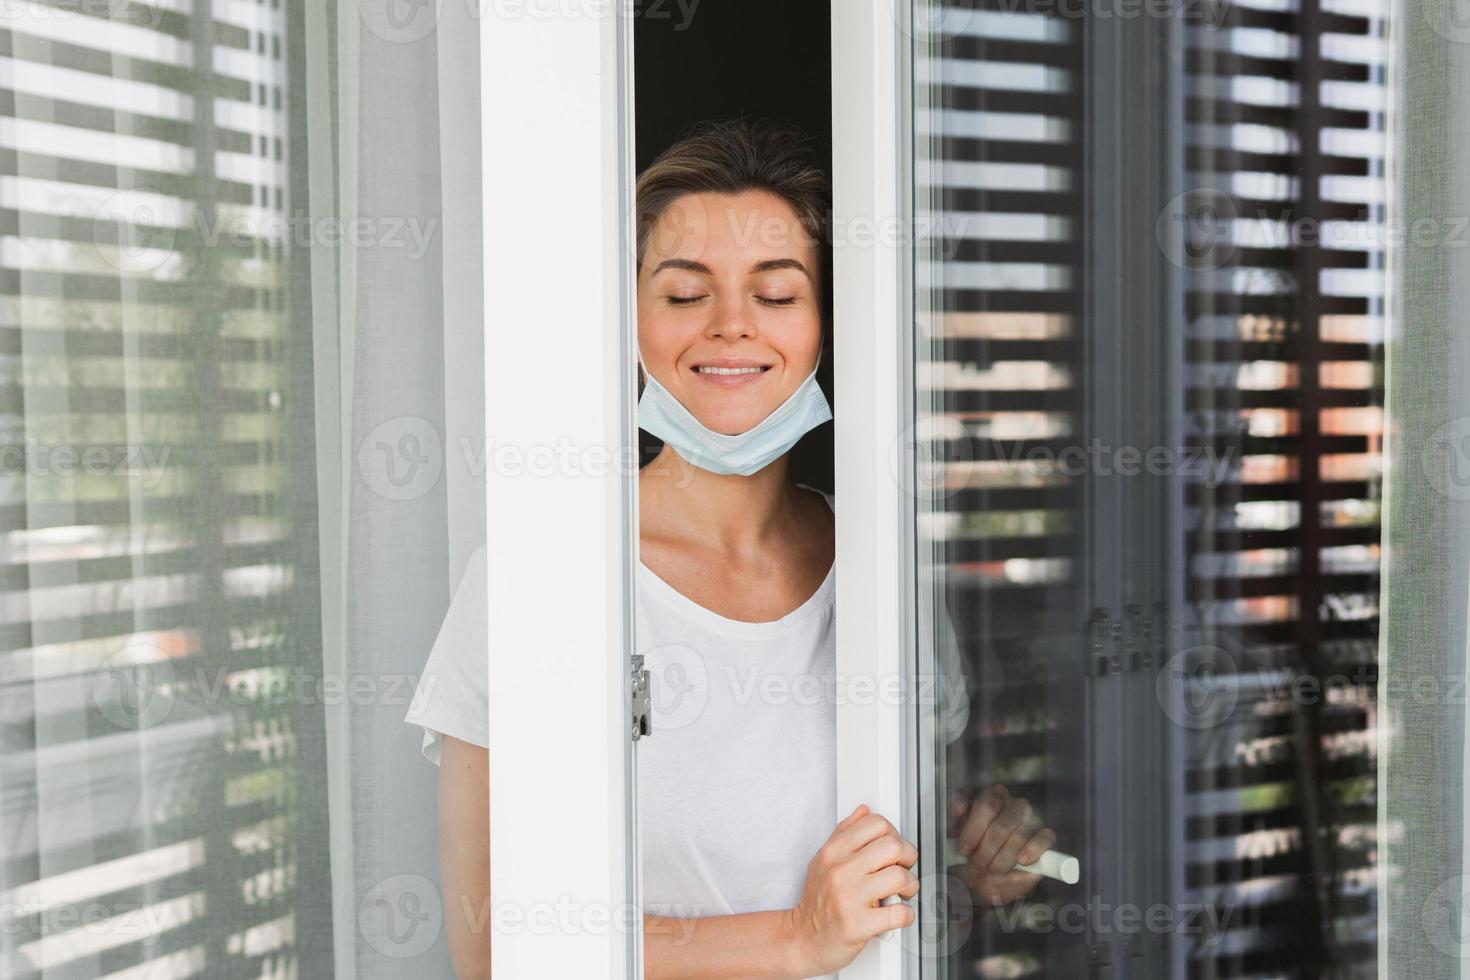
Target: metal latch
640, 704
1102, 630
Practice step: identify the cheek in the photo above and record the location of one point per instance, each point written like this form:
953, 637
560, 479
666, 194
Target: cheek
658, 338
802, 340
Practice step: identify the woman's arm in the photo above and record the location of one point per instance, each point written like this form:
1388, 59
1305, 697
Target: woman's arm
757, 944
723, 947
464, 855
863, 861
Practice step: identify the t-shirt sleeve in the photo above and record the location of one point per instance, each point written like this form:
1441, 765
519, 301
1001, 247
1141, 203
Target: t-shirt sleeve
953, 684
954, 680
452, 697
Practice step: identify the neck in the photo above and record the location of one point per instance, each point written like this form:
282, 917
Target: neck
731, 513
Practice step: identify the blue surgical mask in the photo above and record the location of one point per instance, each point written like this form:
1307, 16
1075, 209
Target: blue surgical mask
662, 415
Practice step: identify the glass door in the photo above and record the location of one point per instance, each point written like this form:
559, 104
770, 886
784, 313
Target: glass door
1138, 303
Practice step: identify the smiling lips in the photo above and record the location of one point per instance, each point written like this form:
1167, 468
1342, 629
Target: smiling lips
730, 371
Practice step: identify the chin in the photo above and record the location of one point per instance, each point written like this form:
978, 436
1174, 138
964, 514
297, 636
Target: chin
730, 423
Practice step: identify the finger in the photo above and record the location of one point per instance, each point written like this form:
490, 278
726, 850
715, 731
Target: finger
860, 832
892, 880
999, 831
857, 813
1041, 842
884, 851
959, 805
1007, 857
985, 808
1000, 889
885, 918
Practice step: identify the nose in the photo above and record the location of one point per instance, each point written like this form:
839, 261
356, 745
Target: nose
730, 320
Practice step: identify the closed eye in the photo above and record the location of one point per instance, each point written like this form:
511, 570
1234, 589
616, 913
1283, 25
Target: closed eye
771, 301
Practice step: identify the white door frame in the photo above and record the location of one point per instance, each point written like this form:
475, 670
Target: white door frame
869, 366
556, 104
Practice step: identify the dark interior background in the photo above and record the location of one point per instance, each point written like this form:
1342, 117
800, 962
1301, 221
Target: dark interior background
730, 58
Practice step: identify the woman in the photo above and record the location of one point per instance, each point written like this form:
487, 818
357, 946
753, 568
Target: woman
746, 871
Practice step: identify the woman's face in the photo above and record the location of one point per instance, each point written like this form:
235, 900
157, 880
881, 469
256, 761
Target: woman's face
728, 283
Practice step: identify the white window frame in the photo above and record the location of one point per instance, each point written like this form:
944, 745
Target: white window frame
872, 378
556, 124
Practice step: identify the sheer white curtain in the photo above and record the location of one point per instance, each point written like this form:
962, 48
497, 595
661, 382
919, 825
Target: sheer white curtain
241, 413
400, 406
1424, 742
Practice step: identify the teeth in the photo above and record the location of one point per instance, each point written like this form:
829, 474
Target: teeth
720, 370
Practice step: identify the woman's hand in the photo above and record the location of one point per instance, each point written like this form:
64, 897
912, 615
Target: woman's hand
863, 862
996, 832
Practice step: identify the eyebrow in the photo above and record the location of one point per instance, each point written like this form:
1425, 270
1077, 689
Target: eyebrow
765, 265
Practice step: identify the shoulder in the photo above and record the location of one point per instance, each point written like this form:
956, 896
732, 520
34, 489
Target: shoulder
451, 695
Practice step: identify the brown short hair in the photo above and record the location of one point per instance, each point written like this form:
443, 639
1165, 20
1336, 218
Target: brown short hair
734, 155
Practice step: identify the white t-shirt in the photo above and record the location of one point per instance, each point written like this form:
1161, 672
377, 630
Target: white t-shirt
737, 783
